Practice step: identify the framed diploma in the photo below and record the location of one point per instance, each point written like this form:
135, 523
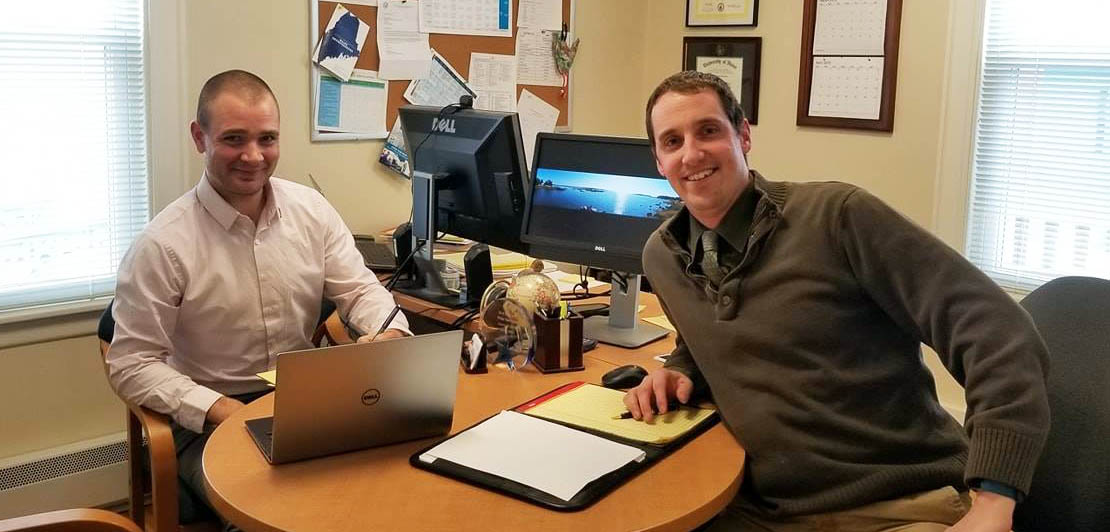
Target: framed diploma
733, 59
721, 12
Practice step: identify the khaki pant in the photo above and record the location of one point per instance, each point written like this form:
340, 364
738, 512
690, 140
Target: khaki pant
927, 511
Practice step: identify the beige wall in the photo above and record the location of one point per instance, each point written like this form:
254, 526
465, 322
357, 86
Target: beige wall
55, 391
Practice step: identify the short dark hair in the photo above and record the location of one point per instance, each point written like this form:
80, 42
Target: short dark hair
690, 82
232, 80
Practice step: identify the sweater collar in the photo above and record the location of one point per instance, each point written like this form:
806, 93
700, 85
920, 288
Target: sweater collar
676, 230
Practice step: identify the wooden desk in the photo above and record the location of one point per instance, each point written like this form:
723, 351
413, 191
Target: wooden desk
377, 489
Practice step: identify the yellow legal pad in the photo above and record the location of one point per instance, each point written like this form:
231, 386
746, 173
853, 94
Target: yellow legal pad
594, 407
269, 376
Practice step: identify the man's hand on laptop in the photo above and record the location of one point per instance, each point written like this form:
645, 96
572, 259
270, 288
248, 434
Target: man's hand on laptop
221, 410
385, 335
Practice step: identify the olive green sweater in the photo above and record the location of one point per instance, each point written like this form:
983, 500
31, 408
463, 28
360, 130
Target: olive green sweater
812, 352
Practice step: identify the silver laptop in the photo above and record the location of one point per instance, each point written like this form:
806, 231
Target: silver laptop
354, 396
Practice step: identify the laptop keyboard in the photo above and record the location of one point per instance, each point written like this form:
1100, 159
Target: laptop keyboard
378, 255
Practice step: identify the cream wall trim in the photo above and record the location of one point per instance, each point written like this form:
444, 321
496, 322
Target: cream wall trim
168, 114
963, 58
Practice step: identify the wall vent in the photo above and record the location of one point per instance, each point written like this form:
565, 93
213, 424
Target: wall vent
59, 466
90, 473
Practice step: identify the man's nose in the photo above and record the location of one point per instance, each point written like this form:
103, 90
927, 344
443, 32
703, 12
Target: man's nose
252, 153
692, 152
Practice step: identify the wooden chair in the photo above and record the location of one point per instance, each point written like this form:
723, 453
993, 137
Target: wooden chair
82, 520
162, 481
1071, 485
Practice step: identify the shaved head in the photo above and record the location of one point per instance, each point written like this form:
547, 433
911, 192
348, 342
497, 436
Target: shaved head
241, 82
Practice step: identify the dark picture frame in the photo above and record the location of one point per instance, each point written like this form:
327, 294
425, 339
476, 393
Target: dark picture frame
725, 15
889, 57
734, 59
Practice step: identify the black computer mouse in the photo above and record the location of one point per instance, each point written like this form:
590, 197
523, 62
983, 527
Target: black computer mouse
623, 377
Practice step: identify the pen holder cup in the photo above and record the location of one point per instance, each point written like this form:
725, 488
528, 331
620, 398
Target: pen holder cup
558, 343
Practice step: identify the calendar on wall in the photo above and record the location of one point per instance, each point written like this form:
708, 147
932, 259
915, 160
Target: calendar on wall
849, 63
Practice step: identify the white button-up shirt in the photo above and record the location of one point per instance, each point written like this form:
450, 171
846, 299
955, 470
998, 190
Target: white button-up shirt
205, 300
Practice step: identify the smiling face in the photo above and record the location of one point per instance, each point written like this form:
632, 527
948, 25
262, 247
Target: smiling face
240, 144
700, 152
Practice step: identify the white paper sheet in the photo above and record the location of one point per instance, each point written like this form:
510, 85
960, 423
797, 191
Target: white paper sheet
355, 106
846, 87
547, 456
849, 27
443, 85
535, 64
403, 51
467, 17
536, 116
540, 14
493, 77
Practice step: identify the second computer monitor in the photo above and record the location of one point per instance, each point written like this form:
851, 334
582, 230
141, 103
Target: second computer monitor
477, 159
595, 200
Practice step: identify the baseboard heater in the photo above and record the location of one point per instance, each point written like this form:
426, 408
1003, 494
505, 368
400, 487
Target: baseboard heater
90, 473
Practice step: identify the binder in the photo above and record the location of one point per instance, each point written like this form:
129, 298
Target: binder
593, 491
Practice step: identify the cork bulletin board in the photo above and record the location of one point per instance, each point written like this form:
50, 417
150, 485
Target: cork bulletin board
455, 48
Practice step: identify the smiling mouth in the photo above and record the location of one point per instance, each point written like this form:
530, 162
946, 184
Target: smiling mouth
698, 176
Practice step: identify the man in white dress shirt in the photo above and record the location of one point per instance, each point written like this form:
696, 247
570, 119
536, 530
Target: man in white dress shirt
228, 276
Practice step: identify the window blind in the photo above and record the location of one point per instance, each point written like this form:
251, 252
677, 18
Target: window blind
73, 147
1040, 198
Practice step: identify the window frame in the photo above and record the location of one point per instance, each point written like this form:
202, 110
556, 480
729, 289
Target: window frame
167, 115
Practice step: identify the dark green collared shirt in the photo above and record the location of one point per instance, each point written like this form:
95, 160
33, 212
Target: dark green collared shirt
733, 231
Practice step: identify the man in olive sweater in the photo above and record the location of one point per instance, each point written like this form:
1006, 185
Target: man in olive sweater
801, 307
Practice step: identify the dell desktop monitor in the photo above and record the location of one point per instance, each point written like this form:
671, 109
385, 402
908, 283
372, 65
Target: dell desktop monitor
595, 201
469, 180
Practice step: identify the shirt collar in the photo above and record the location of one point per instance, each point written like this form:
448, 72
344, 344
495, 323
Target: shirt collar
225, 214
678, 228
730, 229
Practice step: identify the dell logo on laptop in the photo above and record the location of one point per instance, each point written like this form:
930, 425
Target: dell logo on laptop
599, 248
371, 396
443, 125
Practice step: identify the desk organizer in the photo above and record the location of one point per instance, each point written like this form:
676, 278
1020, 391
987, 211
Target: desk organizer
558, 343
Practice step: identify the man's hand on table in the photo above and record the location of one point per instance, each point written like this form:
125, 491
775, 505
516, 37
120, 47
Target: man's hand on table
658, 387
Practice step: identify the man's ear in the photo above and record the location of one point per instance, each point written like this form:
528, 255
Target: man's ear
197, 133
745, 133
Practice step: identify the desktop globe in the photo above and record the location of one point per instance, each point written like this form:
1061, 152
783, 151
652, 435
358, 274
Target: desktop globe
506, 316
536, 291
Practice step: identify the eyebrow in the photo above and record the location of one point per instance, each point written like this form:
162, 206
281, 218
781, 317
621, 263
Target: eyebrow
708, 120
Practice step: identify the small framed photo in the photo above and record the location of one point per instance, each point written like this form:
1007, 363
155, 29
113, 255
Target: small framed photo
733, 59
722, 12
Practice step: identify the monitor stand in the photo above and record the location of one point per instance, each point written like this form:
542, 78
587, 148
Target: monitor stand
622, 327
427, 284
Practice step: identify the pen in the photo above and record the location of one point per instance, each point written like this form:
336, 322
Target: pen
672, 405
386, 322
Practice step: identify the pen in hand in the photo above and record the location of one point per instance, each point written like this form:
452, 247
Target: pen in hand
672, 405
385, 324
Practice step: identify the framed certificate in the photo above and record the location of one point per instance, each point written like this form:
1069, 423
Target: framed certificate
721, 12
733, 59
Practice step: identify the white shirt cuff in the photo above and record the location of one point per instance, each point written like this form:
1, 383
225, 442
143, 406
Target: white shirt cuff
194, 407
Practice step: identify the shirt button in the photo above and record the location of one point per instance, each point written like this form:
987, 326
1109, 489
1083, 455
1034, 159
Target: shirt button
726, 301
257, 242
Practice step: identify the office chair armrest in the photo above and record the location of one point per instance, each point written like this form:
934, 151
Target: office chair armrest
333, 330
163, 468
84, 519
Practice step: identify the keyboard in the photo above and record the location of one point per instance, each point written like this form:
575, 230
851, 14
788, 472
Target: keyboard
378, 256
